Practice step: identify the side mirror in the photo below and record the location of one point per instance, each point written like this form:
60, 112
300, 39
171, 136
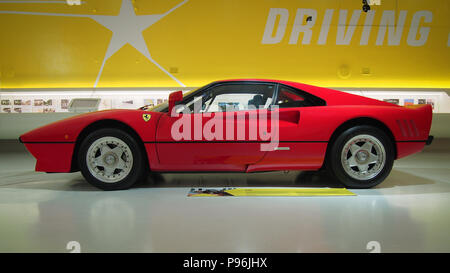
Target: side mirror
174, 97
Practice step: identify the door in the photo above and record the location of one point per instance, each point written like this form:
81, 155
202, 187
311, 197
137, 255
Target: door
297, 149
217, 130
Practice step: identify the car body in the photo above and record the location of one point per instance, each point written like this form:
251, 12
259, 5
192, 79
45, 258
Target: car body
310, 118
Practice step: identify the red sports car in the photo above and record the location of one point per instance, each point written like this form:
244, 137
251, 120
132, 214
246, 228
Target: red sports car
236, 126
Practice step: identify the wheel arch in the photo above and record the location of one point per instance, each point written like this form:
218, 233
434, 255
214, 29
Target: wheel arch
100, 124
356, 122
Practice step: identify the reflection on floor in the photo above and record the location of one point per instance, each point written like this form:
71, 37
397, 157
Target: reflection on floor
41, 212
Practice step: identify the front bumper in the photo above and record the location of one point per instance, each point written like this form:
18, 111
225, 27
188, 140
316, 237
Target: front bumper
429, 140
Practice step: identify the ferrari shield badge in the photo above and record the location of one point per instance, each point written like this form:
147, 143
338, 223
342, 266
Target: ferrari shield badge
146, 117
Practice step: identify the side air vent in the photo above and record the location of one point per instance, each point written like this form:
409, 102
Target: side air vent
408, 128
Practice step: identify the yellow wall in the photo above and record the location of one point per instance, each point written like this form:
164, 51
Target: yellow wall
107, 43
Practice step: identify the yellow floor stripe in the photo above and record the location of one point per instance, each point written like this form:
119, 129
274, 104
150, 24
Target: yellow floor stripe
272, 192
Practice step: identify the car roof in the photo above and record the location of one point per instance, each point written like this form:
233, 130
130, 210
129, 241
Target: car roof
303, 86
331, 96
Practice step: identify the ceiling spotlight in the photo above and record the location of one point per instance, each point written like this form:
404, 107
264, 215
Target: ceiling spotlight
73, 2
366, 6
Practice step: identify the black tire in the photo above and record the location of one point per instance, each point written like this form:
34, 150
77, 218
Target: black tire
335, 166
138, 169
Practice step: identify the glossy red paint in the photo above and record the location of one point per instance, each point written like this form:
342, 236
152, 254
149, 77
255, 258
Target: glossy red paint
301, 156
69, 129
306, 131
174, 97
52, 157
408, 148
207, 156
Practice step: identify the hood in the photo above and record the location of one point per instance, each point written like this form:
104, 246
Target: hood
67, 130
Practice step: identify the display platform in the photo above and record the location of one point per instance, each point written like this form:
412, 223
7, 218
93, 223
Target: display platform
266, 192
409, 212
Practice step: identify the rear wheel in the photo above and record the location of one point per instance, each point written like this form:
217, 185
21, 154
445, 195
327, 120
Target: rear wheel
110, 159
361, 157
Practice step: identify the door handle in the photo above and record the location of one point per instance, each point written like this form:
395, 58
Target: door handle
281, 148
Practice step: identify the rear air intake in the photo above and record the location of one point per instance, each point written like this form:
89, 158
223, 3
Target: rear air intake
408, 127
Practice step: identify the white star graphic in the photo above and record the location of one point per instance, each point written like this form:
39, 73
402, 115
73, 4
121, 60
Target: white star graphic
127, 27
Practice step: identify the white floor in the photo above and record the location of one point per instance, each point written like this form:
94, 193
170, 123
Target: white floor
409, 212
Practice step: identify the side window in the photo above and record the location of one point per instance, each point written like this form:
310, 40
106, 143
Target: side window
238, 97
288, 97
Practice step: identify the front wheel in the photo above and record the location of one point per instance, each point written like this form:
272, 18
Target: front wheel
110, 159
361, 157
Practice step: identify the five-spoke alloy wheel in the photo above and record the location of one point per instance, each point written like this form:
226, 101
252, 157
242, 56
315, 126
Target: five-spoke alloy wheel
111, 159
361, 156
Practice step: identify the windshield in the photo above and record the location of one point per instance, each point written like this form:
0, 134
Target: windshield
158, 108
162, 107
